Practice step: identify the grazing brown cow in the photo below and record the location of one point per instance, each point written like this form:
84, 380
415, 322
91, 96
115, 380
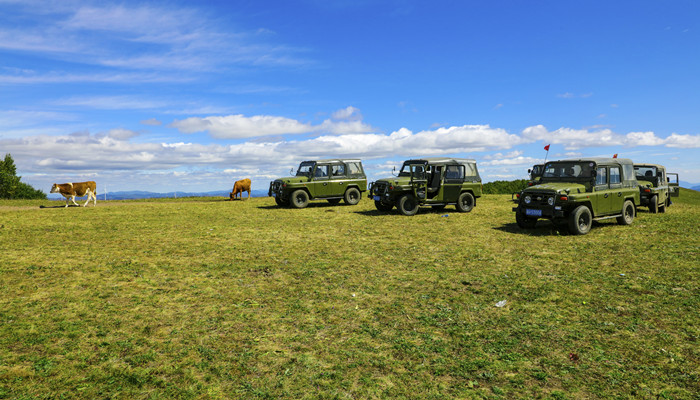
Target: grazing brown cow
239, 187
79, 189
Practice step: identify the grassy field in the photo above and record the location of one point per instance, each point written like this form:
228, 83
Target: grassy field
211, 299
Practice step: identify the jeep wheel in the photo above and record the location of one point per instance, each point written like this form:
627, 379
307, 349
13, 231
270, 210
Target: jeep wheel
382, 207
281, 202
465, 202
627, 213
407, 205
662, 208
333, 201
654, 204
580, 221
299, 199
525, 222
352, 196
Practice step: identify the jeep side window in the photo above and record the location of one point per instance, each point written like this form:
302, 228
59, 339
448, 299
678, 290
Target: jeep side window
338, 170
321, 171
454, 172
601, 177
354, 168
615, 175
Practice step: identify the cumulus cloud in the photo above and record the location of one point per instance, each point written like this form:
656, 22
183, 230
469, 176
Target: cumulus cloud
344, 122
239, 126
575, 139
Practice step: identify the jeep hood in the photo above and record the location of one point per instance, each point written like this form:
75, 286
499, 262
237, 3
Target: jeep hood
293, 179
557, 187
396, 180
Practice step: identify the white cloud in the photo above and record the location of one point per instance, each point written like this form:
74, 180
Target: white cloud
683, 141
239, 126
575, 139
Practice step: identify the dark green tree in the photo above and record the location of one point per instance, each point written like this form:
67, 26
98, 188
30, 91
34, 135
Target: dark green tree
505, 187
10, 185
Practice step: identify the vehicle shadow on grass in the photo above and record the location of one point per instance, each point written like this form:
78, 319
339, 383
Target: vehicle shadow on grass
311, 205
423, 210
63, 206
546, 228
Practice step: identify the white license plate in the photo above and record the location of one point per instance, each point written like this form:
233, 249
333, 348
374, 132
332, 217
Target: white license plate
377, 198
533, 213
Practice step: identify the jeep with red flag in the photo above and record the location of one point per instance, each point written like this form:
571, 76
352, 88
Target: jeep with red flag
574, 193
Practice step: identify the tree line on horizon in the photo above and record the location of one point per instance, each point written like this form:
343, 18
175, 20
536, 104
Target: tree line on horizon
11, 186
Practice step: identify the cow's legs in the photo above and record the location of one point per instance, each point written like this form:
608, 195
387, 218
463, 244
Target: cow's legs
248, 196
90, 194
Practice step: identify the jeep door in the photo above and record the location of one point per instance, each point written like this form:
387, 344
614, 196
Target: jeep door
452, 186
319, 186
600, 198
616, 191
419, 182
338, 180
673, 186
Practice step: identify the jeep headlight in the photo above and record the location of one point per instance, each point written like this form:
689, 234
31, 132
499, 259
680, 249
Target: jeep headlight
527, 199
550, 201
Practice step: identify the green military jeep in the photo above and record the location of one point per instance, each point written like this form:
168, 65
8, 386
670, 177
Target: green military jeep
574, 193
655, 188
434, 182
331, 180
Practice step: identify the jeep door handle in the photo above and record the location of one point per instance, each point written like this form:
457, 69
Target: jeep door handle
325, 184
619, 194
606, 195
340, 183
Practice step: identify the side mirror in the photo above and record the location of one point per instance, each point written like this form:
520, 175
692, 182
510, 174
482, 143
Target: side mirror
529, 171
291, 171
393, 170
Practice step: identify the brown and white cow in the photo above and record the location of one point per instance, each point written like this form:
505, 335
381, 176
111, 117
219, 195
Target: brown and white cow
239, 187
72, 189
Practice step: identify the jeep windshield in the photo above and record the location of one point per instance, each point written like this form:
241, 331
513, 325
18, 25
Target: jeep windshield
406, 167
305, 168
568, 170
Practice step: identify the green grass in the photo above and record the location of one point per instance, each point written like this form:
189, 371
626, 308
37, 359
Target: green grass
206, 298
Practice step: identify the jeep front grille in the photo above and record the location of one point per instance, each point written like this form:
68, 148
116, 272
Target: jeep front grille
379, 188
538, 199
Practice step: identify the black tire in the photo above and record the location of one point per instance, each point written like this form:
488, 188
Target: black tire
580, 221
333, 201
382, 207
627, 213
465, 202
525, 222
407, 205
281, 202
654, 204
662, 208
352, 196
299, 199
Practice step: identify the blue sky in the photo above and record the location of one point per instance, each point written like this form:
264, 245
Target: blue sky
190, 96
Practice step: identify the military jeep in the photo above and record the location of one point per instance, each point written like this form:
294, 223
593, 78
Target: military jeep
435, 182
574, 193
331, 180
655, 188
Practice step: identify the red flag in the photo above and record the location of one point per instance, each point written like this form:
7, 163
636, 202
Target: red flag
615, 156
546, 147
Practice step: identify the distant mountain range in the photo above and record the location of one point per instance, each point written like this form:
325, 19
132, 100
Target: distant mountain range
138, 194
